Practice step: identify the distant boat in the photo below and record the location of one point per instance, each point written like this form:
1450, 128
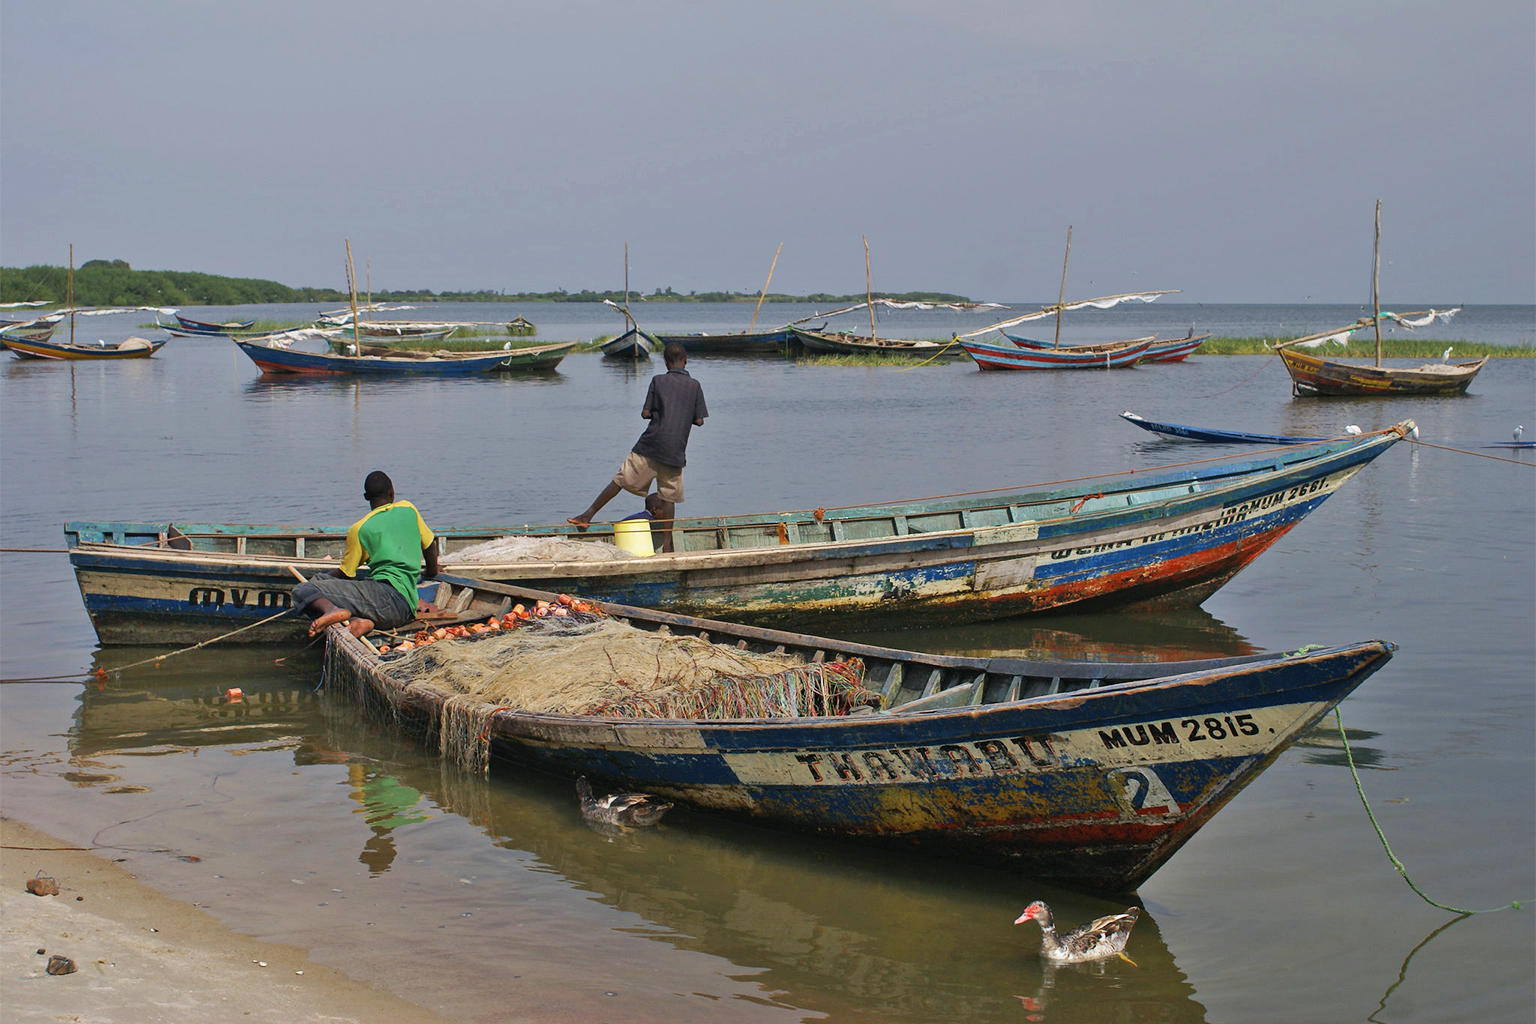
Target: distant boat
748, 343
275, 360
203, 327
846, 343
1212, 436
1175, 350
632, 344
1314, 375
131, 348
1118, 355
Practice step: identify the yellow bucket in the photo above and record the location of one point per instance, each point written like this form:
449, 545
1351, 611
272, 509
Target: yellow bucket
634, 536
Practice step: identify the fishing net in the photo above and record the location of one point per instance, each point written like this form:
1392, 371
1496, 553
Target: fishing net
537, 549
586, 665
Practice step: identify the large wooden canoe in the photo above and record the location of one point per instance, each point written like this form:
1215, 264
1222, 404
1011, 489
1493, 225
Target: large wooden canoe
272, 359
1118, 355
847, 343
743, 343
1173, 350
1156, 537
1087, 774
1314, 375
1211, 435
43, 348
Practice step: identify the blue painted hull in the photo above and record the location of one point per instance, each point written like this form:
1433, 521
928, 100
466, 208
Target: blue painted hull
280, 361
1212, 436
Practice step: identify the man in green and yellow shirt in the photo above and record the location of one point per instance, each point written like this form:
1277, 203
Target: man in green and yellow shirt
393, 539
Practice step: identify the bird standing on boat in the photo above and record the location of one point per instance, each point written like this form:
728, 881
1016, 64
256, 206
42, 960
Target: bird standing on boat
619, 811
1352, 429
1097, 940
1447, 353
1519, 432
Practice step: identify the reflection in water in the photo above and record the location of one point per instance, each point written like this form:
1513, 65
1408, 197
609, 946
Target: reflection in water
1174, 635
387, 804
1402, 972
1321, 745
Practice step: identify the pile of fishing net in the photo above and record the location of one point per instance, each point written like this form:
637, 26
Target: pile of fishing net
586, 664
537, 549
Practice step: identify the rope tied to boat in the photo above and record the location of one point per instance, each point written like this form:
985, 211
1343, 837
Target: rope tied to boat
1087, 498
1463, 451
1401, 870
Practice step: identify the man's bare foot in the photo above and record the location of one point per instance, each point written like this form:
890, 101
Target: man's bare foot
329, 618
359, 626
580, 523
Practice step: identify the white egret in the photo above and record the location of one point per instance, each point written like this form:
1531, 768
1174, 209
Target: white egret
1352, 429
1519, 432
1447, 353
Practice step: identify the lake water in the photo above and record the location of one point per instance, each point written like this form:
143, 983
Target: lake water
488, 900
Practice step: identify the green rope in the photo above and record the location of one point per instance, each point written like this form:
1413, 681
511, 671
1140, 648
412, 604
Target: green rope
1350, 757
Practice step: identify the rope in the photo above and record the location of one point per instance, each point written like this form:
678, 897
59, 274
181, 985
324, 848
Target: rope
1481, 455
103, 673
1239, 384
38, 551
931, 358
1350, 757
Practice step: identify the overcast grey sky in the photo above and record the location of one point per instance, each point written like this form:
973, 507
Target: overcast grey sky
1234, 150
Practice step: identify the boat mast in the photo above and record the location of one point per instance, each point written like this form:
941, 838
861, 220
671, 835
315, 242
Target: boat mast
1061, 299
1376, 286
869, 295
352, 288
766, 283
69, 293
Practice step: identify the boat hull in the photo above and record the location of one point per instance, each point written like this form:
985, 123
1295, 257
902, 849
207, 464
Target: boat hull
1208, 435
632, 344
850, 344
1168, 538
1014, 357
1093, 787
36, 348
743, 343
285, 361
1314, 376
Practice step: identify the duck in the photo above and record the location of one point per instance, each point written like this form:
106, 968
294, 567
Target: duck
1097, 940
621, 811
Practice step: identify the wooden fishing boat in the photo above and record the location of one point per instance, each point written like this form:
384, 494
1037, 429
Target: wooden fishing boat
1118, 355
521, 325
1316, 376
742, 343
1211, 436
1173, 350
847, 343
45, 348
1152, 537
1085, 774
632, 344
203, 327
272, 359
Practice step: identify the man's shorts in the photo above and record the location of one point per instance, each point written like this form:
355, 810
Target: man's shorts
638, 471
363, 597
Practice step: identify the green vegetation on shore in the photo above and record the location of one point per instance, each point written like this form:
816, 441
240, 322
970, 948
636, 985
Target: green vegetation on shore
115, 283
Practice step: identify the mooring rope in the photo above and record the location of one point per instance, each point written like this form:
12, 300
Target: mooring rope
37, 551
1359, 788
1481, 455
1239, 384
103, 673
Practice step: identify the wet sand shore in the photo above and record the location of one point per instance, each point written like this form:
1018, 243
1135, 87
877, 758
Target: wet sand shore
142, 956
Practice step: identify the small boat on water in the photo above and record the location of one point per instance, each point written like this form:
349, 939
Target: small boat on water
277, 360
1209, 435
1316, 376
1150, 537
203, 327
632, 344
1086, 774
1114, 356
46, 348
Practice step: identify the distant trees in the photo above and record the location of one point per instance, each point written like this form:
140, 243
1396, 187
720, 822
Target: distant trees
115, 283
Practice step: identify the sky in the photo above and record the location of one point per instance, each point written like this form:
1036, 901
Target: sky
1234, 151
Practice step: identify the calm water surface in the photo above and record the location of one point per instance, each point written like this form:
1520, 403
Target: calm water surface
488, 899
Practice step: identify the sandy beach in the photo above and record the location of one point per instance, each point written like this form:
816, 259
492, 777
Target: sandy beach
142, 956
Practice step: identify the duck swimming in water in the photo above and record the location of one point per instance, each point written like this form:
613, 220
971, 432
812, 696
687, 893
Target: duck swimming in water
619, 811
1096, 940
